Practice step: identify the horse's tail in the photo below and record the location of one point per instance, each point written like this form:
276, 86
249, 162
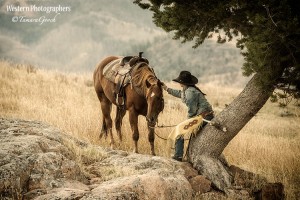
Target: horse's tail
119, 117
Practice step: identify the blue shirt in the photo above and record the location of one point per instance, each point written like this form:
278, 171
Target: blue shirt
194, 100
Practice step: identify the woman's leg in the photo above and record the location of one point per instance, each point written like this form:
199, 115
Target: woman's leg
179, 145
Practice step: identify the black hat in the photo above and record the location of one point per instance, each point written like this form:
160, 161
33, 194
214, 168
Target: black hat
186, 78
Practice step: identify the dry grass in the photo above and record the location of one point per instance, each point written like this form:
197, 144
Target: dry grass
268, 145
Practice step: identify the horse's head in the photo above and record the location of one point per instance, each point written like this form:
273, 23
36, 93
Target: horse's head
155, 101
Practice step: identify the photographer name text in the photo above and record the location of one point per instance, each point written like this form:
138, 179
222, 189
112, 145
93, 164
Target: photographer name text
34, 8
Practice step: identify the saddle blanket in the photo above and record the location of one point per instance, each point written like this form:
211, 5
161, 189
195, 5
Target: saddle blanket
185, 129
116, 73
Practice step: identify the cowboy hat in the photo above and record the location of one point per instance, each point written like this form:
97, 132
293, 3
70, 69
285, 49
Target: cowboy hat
186, 78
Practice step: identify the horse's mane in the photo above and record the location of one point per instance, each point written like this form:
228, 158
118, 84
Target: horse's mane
142, 73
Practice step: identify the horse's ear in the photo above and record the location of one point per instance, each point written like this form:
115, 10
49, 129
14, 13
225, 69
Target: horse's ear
159, 83
148, 84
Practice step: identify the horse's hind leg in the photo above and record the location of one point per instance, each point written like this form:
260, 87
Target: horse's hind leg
118, 121
106, 107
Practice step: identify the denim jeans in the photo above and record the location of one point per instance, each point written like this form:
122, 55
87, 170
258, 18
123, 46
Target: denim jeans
179, 143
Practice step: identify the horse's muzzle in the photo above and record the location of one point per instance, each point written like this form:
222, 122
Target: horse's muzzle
151, 120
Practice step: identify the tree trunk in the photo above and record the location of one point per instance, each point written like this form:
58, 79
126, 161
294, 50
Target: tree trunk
205, 149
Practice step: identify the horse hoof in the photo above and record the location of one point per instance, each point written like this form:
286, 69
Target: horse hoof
101, 135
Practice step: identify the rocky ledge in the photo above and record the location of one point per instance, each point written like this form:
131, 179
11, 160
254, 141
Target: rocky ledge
38, 161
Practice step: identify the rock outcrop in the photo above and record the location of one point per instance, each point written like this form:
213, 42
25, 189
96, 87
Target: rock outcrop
38, 161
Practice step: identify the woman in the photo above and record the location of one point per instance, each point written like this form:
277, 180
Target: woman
195, 101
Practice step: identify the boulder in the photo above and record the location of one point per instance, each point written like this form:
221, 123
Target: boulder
36, 161
135, 176
144, 186
200, 184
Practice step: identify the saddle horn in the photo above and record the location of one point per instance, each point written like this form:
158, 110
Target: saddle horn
141, 54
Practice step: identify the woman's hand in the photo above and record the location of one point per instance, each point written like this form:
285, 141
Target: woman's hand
164, 86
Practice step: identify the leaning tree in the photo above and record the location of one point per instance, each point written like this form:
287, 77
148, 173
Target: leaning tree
268, 34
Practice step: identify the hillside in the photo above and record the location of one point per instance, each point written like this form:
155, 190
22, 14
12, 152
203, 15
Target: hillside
78, 39
169, 57
267, 145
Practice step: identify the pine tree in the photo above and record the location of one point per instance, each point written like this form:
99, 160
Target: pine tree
268, 34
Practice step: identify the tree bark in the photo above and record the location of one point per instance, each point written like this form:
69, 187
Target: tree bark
206, 148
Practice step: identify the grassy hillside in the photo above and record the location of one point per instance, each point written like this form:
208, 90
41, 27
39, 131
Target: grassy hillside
268, 145
168, 57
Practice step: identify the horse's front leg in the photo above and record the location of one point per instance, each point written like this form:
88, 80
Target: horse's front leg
112, 141
103, 129
133, 119
151, 137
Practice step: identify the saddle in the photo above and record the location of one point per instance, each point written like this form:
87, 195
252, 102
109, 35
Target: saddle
119, 72
132, 60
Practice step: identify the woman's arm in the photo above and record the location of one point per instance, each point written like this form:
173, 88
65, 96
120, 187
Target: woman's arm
173, 92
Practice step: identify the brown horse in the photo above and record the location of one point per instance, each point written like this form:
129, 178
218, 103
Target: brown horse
143, 96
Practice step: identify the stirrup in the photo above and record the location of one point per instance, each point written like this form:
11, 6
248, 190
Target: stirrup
117, 100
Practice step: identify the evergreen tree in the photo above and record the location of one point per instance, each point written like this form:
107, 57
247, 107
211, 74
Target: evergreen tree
267, 32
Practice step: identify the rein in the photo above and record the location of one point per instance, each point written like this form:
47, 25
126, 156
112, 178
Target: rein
160, 136
161, 126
